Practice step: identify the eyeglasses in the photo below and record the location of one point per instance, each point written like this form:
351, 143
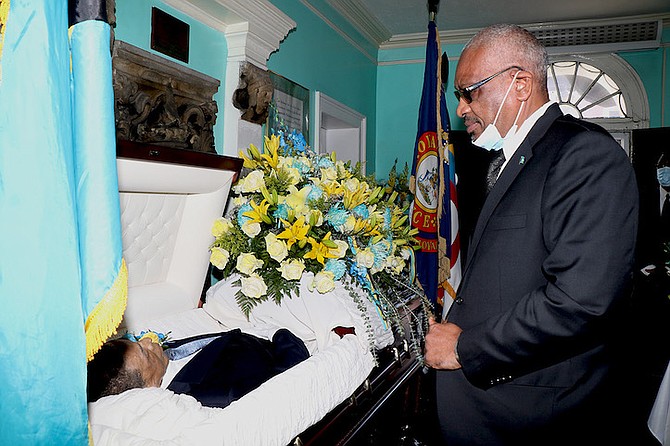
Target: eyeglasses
466, 93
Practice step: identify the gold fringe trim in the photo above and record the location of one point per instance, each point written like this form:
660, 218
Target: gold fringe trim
107, 314
4, 15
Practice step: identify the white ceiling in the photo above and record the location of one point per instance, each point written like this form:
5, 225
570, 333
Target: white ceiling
386, 19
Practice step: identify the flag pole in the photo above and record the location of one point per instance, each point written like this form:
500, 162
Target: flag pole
432, 9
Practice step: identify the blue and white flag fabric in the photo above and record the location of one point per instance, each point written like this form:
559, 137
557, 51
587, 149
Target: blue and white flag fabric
433, 210
61, 268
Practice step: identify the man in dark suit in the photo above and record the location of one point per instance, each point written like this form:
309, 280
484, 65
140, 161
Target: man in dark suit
524, 355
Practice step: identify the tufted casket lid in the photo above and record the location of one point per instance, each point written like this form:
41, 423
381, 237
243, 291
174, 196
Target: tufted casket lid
169, 199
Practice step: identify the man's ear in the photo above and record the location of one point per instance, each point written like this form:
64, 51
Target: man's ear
523, 85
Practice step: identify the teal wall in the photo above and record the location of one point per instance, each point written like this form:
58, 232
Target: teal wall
399, 85
325, 53
320, 58
207, 50
400, 79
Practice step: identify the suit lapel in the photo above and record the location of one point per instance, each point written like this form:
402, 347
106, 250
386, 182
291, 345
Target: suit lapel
515, 165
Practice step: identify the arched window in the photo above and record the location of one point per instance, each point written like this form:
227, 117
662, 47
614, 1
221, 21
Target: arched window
584, 91
600, 88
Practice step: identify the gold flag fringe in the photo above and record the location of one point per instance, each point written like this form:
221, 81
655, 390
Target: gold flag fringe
4, 15
107, 314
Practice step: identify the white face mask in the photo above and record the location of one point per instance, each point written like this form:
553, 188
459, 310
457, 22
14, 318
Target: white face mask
490, 138
663, 175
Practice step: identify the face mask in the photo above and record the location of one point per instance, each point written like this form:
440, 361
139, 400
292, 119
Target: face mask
490, 138
663, 175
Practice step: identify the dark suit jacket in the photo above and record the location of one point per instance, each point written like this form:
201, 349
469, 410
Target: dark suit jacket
235, 364
549, 259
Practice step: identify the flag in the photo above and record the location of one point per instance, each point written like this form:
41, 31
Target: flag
433, 180
58, 197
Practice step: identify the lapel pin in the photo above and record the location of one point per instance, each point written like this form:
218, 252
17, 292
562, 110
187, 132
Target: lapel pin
522, 160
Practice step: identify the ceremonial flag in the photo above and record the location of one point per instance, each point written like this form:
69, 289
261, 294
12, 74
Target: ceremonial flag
62, 278
433, 185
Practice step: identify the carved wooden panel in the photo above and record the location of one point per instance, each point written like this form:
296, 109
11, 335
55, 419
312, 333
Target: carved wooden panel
161, 102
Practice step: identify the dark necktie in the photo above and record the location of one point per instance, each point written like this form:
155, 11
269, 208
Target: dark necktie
665, 219
494, 170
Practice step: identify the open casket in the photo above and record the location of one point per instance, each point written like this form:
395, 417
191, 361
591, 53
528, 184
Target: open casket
169, 199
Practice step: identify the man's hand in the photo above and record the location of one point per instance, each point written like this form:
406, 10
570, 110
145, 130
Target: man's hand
440, 351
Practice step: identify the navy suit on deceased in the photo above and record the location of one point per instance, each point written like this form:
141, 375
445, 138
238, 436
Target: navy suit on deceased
234, 364
524, 354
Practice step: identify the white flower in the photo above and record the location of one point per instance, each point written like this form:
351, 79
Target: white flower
251, 228
254, 286
324, 282
219, 257
395, 264
240, 200
365, 257
352, 184
247, 263
221, 226
253, 182
275, 247
293, 175
342, 247
328, 174
405, 253
292, 269
349, 224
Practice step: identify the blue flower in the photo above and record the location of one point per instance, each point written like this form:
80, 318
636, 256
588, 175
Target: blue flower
387, 219
381, 251
281, 212
325, 162
361, 211
337, 267
241, 219
315, 193
337, 215
298, 140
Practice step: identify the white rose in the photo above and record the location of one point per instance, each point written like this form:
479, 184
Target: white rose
253, 181
254, 286
328, 174
291, 269
342, 247
352, 184
221, 226
365, 258
251, 228
247, 263
395, 264
219, 257
275, 247
324, 282
349, 224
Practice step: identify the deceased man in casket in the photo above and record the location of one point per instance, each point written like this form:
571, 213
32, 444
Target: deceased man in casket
225, 366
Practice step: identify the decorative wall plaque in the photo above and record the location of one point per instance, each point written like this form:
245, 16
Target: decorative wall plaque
161, 102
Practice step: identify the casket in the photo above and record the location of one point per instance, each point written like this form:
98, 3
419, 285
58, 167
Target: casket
342, 394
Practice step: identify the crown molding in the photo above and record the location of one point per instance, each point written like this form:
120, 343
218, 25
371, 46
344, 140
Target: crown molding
254, 28
362, 19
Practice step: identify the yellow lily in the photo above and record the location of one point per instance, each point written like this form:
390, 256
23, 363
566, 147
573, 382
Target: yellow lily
272, 147
295, 232
322, 250
259, 212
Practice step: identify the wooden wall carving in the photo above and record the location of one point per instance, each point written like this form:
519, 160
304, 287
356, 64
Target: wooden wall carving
157, 101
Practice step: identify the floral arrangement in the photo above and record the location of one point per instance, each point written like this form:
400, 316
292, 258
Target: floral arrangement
296, 211
156, 337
